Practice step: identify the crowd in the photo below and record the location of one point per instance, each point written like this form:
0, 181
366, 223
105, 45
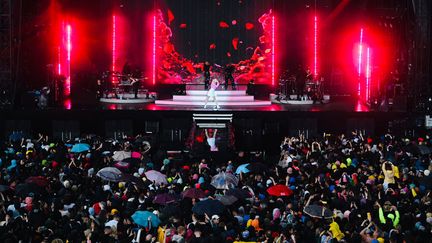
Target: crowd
331, 189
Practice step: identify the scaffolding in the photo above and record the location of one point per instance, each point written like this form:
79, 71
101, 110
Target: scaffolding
6, 84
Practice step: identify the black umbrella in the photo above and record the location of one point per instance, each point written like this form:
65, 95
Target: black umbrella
136, 181
169, 211
257, 167
238, 193
24, 190
226, 199
423, 149
209, 207
4, 188
317, 211
132, 161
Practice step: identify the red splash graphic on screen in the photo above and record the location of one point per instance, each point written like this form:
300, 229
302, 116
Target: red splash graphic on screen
212, 46
170, 16
183, 26
235, 42
249, 26
223, 24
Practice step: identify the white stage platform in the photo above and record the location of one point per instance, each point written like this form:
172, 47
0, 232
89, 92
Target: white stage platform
224, 98
293, 100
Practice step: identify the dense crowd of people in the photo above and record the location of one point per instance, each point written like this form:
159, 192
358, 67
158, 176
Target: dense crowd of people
331, 189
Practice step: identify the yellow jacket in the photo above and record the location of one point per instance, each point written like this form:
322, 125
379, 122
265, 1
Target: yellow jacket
336, 232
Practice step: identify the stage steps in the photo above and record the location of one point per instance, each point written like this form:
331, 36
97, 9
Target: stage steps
224, 98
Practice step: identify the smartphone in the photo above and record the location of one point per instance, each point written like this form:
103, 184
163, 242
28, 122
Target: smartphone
369, 217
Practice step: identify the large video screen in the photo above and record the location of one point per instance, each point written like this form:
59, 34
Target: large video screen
224, 33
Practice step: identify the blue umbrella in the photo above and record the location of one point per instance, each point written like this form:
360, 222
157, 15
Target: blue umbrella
242, 169
142, 218
80, 147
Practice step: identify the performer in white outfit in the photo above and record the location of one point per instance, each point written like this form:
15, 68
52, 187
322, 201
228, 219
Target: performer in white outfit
212, 140
211, 94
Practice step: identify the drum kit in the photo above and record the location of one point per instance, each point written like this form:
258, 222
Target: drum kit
288, 86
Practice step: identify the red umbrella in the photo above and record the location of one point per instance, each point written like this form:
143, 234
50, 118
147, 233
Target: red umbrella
279, 191
38, 180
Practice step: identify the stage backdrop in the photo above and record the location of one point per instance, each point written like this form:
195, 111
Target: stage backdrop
190, 32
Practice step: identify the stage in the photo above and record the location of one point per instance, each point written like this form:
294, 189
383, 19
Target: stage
259, 126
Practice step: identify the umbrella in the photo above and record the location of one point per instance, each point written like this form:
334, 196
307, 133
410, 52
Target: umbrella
164, 199
209, 207
132, 160
238, 193
156, 177
80, 147
242, 169
110, 174
135, 180
136, 155
38, 180
143, 218
279, 191
226, 199
4, 188
224, 181
23, 190
257, 167
122, 165
170, 210
317, 211
193, 193
121, 155
423, 149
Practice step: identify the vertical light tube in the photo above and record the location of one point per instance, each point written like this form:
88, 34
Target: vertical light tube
69, 53
59, 70
154, 51
273, 50
368, 74
315, 47
360, 62
114, 44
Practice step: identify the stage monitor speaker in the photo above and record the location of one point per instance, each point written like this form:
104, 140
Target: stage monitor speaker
306, 126
17, 126
66, 130
118, 128
271, 128
151, 126
364, 125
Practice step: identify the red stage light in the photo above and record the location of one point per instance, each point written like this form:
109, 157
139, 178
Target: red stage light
368, 74
360, 62
114, 44
273, 50
315, 47
69, 52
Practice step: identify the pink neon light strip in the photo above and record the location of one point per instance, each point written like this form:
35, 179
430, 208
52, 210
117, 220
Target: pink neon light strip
59, 61
273, 50
154, 50
360, 61
113, 68
315, 46
368, 74
69, 50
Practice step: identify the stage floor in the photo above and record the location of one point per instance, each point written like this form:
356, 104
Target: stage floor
341, 104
